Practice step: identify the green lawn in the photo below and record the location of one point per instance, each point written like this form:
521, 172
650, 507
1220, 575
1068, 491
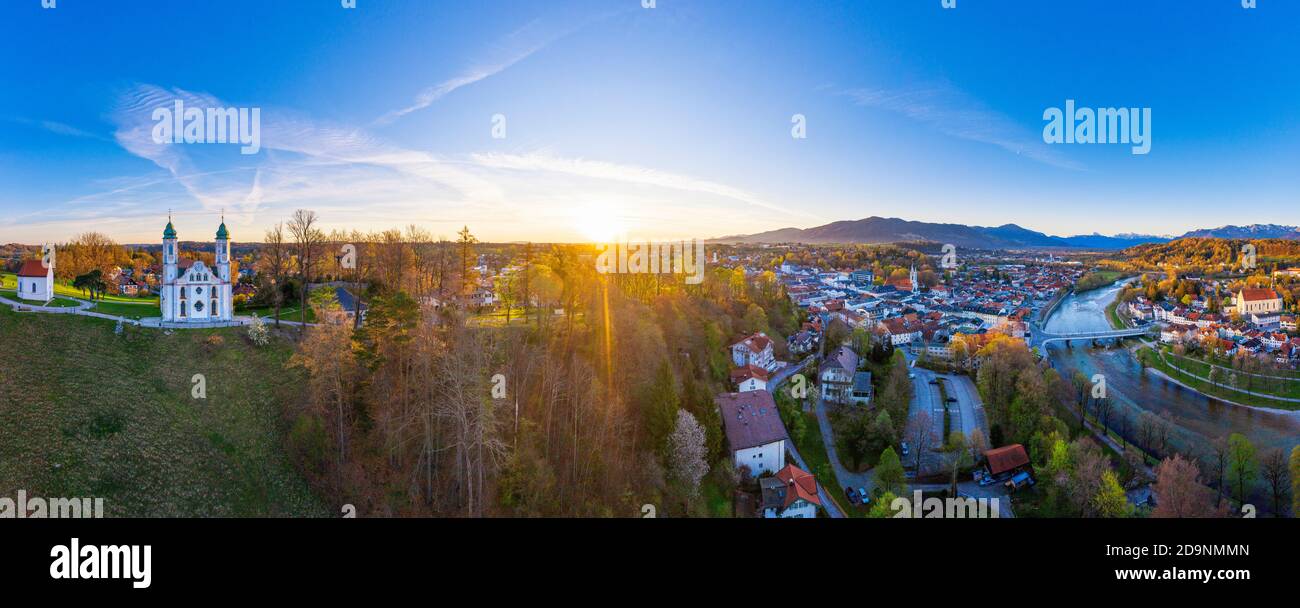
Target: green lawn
130, 311
113, 417
64, 288
57, 301
287, 313
1113, 315
1157, 361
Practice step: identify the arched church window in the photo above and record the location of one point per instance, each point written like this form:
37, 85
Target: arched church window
215, 309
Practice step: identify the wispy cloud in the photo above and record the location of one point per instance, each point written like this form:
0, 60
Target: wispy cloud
629, 174
955, 113
59, 128
516, 47
357, 179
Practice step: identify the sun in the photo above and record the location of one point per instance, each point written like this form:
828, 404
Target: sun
599, 224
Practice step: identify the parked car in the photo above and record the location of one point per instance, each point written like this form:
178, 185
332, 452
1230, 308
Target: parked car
1019, 480
865, 498
951, 400
852, 495
911, 376
903, 446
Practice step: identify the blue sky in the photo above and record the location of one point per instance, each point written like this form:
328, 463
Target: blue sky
668, 122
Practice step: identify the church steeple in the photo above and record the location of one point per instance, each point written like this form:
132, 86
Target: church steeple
912, 277
223, 250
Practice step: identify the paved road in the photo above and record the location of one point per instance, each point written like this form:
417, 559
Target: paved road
969, 404
66, 310
847, 478
784, 373
926, 398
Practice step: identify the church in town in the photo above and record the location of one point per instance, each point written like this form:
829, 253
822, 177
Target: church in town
190, 291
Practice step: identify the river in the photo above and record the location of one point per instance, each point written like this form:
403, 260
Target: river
1197, 419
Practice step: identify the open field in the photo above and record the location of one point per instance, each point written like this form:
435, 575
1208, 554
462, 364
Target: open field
110, 416
130, 311
61, 288
288, 313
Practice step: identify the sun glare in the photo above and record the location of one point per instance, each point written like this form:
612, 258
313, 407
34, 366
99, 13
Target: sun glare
600, 225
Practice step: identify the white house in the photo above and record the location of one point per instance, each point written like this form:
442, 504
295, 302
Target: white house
755, 434
36, 281
791, 493
749, 378
836, 375
754, 350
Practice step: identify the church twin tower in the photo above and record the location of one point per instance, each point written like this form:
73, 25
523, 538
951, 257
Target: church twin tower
190, 291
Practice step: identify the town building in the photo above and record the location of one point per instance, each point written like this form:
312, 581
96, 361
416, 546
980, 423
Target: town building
836, 375
755, 434
1262, 301
790, 493
862, 390
749, 378
754, 350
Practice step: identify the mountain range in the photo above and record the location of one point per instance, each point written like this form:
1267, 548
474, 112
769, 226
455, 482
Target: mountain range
1007, 236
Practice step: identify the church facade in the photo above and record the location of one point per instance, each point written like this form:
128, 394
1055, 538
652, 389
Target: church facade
191, 291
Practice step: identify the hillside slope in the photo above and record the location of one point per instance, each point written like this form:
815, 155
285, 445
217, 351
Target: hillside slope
87, 413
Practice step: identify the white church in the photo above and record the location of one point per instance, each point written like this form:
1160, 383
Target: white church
190, 291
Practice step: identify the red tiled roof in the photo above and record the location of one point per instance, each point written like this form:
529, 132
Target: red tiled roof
1006, 458
1256, 295
741, 374
33, 268
798, 484
757, 342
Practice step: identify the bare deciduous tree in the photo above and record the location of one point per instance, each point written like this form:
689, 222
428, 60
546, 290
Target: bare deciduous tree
308, 238
275, 263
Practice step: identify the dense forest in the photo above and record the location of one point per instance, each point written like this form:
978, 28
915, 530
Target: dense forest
597, 399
